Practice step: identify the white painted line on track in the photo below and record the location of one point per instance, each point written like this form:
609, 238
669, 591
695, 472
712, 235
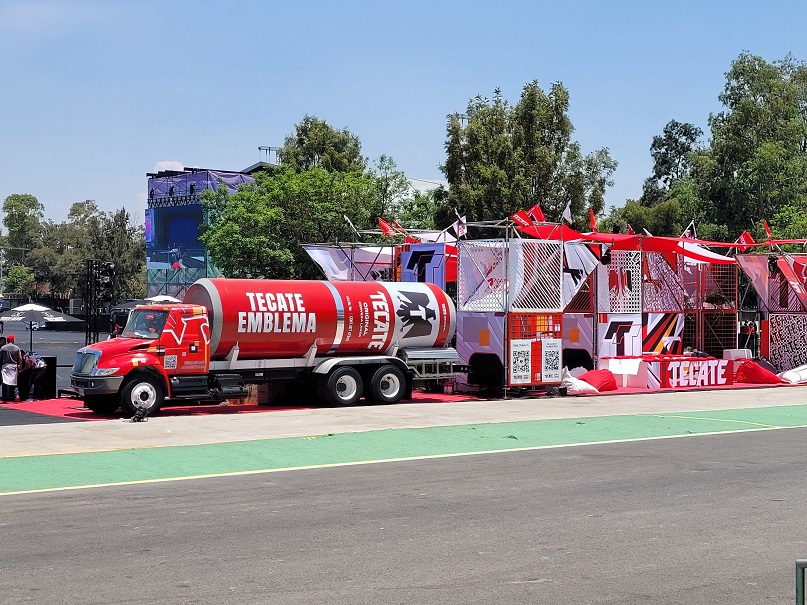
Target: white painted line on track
386, 460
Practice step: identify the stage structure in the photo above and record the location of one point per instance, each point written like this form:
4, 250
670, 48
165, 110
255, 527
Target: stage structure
175, 258
779, 280
545, 297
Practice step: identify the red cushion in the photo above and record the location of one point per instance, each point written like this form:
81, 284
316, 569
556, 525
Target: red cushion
602, 380
751, 372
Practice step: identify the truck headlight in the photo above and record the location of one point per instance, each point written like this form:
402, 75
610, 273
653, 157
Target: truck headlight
104, 371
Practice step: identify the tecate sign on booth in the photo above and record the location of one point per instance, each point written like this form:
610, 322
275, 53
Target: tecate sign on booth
698, 373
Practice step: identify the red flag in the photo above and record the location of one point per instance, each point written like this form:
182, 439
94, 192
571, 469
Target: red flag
398, 226
386, 228
745, 238
768, 230
536, 214
522, 218
592, 221
630, 230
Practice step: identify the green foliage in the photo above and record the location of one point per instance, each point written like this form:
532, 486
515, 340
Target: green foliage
257, 231
316, 144
23, 216
672, 150
242, 234
56, 253
393, 186
421, 211
19, 280
501, 159
756, 165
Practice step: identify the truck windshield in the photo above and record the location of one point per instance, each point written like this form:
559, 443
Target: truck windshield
145, 323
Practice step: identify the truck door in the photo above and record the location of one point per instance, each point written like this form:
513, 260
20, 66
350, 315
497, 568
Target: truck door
186, 341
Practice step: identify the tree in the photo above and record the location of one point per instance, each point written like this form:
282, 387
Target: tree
115, 238
501, 159
756, 165
241, 234
19, 280
394, 190
671, 151
23, 215
315, 144
59, 257
423, 211
672, 160
257, 231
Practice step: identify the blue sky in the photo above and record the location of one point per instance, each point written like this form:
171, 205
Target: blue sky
98, 93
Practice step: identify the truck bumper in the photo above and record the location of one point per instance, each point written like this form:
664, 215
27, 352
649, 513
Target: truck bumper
96, 385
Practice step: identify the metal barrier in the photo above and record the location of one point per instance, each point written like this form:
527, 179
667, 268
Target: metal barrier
801, 565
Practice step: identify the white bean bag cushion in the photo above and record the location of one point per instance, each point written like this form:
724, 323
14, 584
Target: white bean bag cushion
795, 376
578, 371
575, 385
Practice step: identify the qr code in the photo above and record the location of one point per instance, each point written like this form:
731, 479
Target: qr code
170, 362
551, 360
521, 362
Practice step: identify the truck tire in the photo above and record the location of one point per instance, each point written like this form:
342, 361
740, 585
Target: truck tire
141, 391
386, 385
102, 404
342, 387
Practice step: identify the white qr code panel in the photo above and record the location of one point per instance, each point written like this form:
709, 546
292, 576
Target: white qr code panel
551, 359
520, 361
170, 362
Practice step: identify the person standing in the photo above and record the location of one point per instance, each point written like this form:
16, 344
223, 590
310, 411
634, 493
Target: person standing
10, 360
34, 369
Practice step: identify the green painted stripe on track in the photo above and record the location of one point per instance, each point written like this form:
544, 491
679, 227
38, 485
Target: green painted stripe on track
31, 473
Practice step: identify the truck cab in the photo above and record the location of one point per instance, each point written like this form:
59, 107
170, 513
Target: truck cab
161, 352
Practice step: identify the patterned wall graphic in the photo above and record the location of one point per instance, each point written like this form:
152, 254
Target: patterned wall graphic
663, 331
619, 284
619, 334
579, 260
662, 285
788, 341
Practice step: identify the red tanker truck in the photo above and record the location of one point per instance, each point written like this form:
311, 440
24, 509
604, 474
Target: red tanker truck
346, 339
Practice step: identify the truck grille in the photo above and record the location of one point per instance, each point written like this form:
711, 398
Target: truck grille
85, 362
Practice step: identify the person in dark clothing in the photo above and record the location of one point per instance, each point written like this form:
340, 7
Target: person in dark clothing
29, 382
10, 361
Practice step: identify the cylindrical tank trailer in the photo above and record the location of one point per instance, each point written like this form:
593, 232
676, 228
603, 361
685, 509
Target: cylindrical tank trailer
284, 318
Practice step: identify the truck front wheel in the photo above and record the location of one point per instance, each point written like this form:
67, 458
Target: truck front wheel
341, 387
141, 391
386, 385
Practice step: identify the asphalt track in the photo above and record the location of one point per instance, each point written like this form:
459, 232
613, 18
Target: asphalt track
116, 465
671, 497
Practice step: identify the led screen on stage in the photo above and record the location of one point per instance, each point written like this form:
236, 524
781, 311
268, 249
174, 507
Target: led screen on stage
174, 240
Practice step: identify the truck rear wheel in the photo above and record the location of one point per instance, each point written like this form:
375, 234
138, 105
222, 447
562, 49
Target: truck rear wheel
343, 386
386, 385
141, 391
102, 404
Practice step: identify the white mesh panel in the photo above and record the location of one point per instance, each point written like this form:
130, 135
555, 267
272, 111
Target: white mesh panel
619, 288
535, 269
482, 275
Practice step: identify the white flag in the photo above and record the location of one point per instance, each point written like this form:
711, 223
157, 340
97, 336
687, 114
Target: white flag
349, 222
567, 213
459, 226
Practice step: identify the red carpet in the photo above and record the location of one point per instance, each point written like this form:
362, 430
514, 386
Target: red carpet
74, 408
